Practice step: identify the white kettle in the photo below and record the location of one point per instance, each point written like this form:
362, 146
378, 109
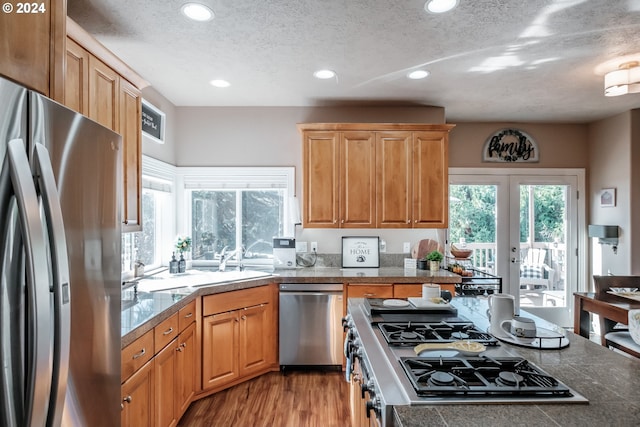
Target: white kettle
501, 308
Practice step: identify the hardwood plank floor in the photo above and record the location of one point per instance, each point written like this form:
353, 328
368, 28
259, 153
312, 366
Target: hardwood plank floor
294, 399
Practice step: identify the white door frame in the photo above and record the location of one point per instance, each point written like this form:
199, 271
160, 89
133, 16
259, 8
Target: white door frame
501, 177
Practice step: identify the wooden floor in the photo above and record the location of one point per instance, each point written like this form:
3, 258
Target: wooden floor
294, 399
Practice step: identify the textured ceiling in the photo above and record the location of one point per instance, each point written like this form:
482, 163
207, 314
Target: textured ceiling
490, 60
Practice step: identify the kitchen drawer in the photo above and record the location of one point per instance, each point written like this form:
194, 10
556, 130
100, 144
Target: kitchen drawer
136, 354
370, 291
165, 332
234, 300
407, 290
187, 315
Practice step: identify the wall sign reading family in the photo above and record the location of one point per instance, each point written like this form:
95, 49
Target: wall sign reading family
361, 252
510, 145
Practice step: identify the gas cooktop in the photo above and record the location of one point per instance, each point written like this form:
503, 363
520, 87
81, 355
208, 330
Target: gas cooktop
413, 333
480, 376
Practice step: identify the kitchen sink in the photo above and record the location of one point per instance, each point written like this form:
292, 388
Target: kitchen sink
196, 278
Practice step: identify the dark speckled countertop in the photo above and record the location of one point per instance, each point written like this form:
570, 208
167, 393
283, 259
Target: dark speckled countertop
143, 310
609, 380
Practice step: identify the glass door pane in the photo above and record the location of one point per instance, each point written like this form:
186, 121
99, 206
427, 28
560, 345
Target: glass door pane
542, 234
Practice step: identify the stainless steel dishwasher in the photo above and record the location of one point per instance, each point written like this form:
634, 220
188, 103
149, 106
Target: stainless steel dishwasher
310, 324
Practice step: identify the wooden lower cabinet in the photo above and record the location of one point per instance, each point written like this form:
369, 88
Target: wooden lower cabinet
415, 290
187, 359
165, 367
365, 290
239, 336
138, 403
220, 349
236, 344
175, 378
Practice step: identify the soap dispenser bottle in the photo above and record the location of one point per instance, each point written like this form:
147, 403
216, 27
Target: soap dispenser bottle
173, 264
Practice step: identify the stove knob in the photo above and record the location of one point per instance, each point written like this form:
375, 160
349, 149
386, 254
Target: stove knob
373, 404
370, 387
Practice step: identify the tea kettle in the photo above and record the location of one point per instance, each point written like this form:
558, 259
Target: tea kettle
501, 308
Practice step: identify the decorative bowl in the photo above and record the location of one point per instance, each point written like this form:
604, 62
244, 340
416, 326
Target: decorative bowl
461, 253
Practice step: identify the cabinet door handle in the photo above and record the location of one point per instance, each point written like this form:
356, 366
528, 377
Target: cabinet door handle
139, 354
168, 331
186, 316
127, 399
244, 317
179, 348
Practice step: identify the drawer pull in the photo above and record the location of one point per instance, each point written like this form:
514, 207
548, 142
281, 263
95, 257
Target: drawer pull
168, 331
139, 354
179, 349
186, 316
244, 317
127, 399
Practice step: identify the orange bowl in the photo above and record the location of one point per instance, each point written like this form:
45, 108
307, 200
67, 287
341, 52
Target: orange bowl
461, 253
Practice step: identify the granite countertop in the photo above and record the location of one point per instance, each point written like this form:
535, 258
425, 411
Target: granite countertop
143, 308
609, 380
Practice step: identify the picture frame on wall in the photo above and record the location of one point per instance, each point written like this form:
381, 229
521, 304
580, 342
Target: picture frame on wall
360, 252
153, 122
607, 197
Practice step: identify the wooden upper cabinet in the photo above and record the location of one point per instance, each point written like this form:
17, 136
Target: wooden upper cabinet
130, 107
357, 180
320, 179
389, 175
104, 94
32, 46
76, 80
102, 87
394, 179
430, 180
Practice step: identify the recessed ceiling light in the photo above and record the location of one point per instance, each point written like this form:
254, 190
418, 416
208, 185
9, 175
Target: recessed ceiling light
219, 83
197, 12
418, 74
324, 74
440, 6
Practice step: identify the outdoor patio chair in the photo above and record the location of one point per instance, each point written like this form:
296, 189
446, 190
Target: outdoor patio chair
535, 274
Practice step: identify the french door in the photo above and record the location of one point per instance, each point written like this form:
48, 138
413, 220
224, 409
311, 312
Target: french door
524, 226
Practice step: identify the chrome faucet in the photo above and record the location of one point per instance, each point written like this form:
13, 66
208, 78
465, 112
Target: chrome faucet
226, 256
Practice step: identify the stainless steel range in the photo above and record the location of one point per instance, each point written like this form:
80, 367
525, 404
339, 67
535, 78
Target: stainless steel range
395, 375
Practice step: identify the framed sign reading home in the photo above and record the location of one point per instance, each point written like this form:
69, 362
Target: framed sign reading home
361, 252
152, 122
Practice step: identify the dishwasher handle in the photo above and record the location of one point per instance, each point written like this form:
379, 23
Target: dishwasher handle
311, 287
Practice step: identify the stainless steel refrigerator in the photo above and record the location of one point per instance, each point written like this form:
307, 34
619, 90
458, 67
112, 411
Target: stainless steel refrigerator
60, 262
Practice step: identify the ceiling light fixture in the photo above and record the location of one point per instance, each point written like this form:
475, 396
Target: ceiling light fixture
440, 6
324, 74
418, 74
219, 83
624, 80
197, 12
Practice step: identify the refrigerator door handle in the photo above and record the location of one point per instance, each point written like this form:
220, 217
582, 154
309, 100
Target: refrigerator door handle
16, 180
60, 285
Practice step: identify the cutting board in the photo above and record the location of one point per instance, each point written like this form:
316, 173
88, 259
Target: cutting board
425, 246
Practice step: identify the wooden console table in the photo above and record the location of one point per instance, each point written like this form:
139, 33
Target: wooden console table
610, 308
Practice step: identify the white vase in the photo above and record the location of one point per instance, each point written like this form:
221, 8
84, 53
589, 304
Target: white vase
434, 265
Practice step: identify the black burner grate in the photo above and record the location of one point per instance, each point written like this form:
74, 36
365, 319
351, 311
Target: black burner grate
413, 333
480, 376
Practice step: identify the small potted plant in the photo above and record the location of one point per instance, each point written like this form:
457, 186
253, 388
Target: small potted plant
434, 258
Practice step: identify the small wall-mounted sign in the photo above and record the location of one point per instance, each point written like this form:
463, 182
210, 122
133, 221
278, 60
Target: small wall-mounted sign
361, 251
152, 122
510, 145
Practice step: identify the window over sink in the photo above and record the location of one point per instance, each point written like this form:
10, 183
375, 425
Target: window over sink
223, 209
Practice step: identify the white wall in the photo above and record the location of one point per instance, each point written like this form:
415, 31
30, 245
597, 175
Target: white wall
610, 167
164, 152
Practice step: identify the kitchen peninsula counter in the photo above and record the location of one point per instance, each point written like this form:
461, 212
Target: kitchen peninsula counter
610, 381
143, 309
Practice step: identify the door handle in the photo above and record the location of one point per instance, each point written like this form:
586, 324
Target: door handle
60, 285
16, 180
515, 260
